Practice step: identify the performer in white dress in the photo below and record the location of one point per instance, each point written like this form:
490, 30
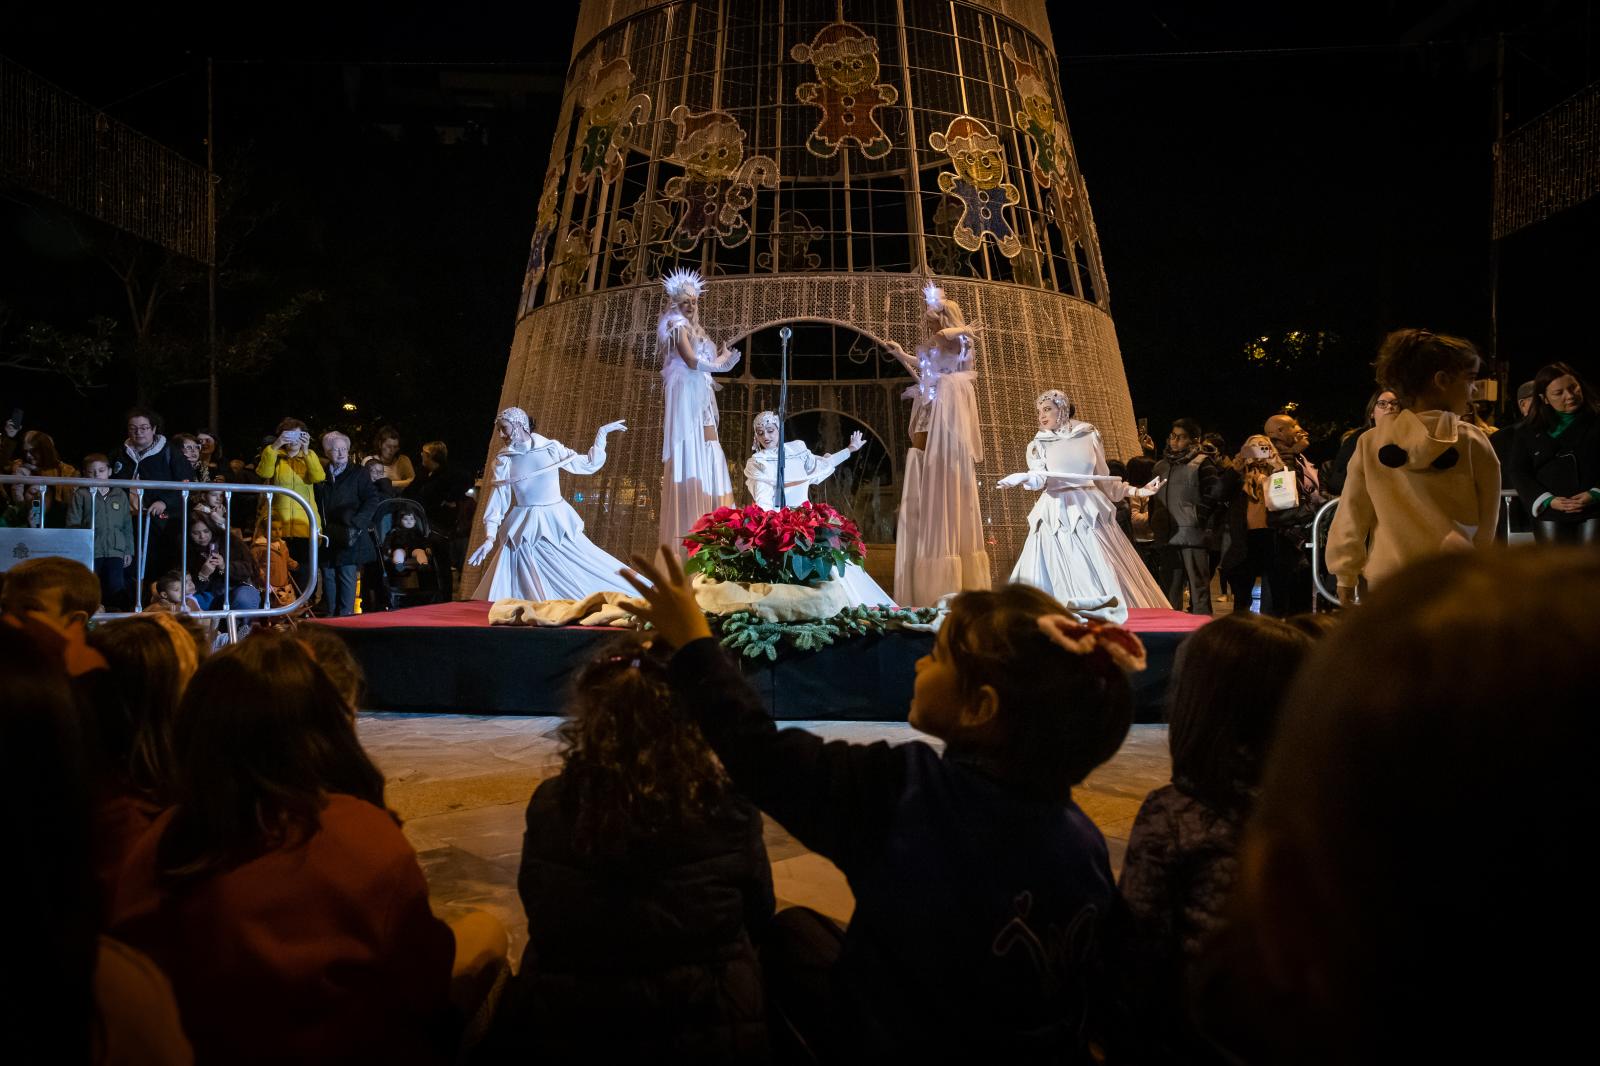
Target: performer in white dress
536, 539
1075, 550
939, 545
802, 468
695, 478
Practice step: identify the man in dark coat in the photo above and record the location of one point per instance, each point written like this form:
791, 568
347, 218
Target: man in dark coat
1513, 517
347, 500
442, 490
1180, 516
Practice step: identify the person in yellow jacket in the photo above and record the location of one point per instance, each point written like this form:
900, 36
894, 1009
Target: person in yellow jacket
289, 463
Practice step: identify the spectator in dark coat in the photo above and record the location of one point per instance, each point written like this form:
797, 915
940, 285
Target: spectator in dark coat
1504, 442
347, 499
147, 456
1182, 858
644, 878
442, 490
1556, 458
1180, 515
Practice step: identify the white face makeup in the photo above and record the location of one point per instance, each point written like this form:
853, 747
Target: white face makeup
1049, 416
766, 435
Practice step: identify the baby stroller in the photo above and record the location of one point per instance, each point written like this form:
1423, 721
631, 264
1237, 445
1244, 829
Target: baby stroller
400, 528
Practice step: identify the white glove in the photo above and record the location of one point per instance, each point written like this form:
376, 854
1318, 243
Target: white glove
619, 426
1152, 487
1032, 480
477, 557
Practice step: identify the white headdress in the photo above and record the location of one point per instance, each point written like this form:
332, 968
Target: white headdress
933, 296
766, 418
681, 283
517, 417
1057, 399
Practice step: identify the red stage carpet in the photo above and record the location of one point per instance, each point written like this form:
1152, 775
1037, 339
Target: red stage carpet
446, 657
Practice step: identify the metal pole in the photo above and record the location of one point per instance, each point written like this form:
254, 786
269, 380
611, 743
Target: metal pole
1502, 375
782, 496
211, 262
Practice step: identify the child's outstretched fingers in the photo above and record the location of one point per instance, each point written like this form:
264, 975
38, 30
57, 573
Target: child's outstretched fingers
670, 602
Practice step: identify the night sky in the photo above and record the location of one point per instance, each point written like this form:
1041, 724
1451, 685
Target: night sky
1253, 173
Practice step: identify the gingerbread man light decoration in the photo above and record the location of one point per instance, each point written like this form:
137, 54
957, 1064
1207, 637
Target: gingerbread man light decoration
571, 262
979, 183
718, 182
1047, 137
609, 118
544, 228
846, 61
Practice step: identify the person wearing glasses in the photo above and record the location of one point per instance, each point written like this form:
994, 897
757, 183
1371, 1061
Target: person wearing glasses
1380, 404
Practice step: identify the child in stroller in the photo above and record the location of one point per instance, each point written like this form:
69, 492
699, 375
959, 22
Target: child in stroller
408, 555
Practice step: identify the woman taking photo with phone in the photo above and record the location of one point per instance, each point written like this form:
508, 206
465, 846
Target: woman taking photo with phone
289, 463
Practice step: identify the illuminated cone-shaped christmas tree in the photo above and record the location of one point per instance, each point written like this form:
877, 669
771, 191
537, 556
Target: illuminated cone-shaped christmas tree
817, 162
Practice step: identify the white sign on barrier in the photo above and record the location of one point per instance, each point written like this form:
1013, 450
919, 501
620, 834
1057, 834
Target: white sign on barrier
27, 543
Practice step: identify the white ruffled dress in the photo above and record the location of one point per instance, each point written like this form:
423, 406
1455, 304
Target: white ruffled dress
1075, 551
939, 544
694, 479
802, 468
540, 550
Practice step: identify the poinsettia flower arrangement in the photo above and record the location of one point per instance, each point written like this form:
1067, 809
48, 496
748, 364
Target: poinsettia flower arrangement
795, 546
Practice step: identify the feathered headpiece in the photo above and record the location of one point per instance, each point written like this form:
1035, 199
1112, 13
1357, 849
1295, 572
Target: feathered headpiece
681, 283
933, 296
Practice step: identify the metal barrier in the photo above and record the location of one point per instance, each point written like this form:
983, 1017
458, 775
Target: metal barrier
1502, 524
1316, 552
228, 612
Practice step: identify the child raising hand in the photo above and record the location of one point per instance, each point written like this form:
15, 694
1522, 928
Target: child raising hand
981, 888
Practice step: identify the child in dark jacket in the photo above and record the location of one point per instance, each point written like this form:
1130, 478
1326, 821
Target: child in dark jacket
981, 888
1182, 857
644, 877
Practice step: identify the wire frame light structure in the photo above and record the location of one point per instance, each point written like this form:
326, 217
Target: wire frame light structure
817, 161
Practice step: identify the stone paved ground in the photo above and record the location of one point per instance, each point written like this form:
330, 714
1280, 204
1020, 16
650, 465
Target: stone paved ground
461, 782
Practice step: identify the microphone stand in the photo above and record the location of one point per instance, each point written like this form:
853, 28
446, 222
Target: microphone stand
783, 412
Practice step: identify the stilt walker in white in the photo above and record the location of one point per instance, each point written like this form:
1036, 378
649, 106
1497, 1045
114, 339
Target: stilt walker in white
534, 540
1075, 550
802, 468
939, 545
695, 477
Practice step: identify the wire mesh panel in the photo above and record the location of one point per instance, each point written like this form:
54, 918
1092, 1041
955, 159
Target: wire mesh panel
815, 160
57, 146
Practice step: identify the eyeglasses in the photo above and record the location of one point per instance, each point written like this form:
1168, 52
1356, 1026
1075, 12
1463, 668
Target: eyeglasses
1391, 405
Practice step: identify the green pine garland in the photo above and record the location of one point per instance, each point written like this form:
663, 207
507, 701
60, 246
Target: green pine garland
754, 637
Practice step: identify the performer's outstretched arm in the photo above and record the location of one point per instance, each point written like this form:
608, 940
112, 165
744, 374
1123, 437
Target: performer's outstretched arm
494, 510
596, 458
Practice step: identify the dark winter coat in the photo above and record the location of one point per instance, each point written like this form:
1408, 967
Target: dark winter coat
1181, 510
641, 956
443, 495
347, 501
1543, 465
164, 463
978, 934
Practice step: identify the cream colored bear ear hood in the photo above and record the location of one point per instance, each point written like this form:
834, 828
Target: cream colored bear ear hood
1431, 440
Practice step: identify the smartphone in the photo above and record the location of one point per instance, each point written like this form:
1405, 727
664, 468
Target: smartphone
1144, 428
16, 417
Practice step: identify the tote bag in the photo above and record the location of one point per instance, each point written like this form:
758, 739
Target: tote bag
1283, 491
